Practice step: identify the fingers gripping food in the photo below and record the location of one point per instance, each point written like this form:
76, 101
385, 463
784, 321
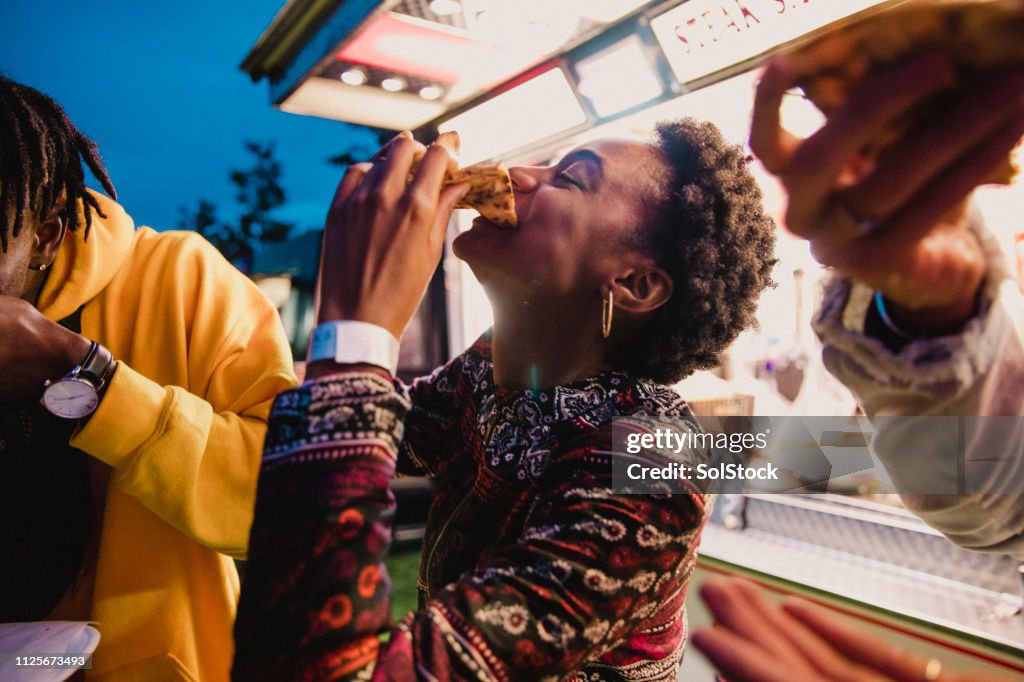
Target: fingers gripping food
979, 36
490, 190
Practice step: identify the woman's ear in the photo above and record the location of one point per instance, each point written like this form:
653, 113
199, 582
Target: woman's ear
642, 289
49, 236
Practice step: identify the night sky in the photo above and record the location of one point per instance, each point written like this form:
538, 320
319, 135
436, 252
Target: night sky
157, 85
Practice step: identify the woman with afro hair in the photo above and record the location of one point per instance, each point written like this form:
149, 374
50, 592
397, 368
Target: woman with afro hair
633, 264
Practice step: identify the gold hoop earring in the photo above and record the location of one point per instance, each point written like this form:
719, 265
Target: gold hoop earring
39, 268
607, 309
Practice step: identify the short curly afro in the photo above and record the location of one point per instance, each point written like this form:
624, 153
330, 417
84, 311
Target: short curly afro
711, 234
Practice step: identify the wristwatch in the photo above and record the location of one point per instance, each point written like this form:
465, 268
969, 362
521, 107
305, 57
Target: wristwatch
77, 393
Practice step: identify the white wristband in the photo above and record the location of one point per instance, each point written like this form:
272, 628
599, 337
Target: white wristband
352, 342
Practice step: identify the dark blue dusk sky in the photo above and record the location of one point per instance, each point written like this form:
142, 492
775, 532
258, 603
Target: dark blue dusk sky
157, 85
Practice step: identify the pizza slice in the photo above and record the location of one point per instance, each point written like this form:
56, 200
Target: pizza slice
490, 190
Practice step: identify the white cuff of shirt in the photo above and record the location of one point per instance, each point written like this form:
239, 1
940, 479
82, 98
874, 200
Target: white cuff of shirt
353, 342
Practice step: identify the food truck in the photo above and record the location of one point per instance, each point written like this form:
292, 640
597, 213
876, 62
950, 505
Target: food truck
524, 81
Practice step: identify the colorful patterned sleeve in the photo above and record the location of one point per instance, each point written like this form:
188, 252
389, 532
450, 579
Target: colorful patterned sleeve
431, 422
592, 569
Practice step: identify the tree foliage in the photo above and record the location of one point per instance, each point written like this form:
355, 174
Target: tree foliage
258, 192
360, 152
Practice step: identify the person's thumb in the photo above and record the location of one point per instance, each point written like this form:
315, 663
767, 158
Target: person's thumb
450, 196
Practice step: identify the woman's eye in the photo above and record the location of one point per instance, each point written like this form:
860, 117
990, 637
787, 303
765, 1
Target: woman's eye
566, 178
570, 176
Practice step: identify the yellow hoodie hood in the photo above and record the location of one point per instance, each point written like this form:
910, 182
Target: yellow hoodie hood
83, 267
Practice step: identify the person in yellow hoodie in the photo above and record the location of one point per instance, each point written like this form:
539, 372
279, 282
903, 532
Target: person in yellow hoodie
137, 370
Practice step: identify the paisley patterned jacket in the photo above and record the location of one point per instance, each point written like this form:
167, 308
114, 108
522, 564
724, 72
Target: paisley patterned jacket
533, 568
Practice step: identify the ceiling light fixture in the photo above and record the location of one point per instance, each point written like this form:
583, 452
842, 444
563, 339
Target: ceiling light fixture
353, 77
430, 92
445, 8
393, 84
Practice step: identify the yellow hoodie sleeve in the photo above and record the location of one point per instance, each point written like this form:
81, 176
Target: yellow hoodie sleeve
192, 456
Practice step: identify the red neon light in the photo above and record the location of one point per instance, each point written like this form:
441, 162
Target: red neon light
398, 45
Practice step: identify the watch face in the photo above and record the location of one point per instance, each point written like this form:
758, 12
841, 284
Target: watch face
71, 398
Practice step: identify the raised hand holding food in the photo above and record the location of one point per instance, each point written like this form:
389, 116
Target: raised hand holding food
384, 235
881, 189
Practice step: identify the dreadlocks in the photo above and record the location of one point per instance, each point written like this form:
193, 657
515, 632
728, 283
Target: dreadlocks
41, 155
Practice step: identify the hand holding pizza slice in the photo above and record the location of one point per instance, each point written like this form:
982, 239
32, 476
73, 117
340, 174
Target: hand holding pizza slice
490, 186
923, 103
385, 231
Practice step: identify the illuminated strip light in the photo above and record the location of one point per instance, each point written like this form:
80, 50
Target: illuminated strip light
536, 109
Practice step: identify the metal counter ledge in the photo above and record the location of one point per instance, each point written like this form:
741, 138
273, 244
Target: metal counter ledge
872, 555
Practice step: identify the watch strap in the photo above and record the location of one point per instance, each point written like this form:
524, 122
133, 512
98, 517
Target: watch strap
97, 366
354, 342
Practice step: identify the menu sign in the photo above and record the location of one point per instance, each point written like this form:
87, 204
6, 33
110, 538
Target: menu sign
701, 37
